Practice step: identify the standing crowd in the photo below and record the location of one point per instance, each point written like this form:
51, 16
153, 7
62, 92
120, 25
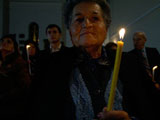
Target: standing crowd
73, 83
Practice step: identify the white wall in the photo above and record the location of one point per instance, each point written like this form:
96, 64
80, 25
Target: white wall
43, 13
139, 16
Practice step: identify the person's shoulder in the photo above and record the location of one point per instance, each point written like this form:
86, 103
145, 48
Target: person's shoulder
132, 51
150, 47
152, 50
64, 47
131, 55
43, 52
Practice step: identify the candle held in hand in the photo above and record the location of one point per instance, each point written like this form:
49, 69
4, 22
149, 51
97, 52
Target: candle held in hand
116, 70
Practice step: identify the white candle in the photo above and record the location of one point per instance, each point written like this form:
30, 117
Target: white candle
27, 49
153, 72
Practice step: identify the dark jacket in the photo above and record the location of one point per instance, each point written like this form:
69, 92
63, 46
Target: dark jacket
139, 91
53, 97
14, 83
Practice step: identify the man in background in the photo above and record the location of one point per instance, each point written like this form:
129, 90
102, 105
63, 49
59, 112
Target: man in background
141, 95
149, 57
54, 34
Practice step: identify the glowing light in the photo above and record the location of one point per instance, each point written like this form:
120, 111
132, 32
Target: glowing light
122, 33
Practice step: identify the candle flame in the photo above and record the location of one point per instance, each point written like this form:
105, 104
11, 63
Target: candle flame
27, 46
155, 67
121, 33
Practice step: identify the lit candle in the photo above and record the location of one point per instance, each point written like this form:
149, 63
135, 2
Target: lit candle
153, 72
27, 49
116, 70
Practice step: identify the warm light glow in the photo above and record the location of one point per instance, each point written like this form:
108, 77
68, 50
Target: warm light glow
115, 41
28, 46
153, 72
121, 33
155, 67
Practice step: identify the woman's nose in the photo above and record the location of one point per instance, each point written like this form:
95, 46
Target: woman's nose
86, 23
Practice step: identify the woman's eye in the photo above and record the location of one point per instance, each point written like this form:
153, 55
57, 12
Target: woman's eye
95, 18
79, 20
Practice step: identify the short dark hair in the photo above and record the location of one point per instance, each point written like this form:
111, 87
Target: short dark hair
70, 4
53, 25
109, 45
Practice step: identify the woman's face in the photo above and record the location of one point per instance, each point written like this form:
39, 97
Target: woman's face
7, 45
87, 28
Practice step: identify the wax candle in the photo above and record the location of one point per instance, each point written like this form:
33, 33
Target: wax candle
153, 72
116, 70
27, 49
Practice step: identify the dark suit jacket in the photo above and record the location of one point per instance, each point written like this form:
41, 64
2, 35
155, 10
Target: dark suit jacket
153, 56
154, 60
139, 91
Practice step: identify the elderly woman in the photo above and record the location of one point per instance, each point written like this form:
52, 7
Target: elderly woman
88, 22
84, 71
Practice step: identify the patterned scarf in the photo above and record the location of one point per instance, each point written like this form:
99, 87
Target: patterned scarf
82, 99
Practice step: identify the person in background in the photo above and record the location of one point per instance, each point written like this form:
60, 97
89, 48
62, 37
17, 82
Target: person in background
54, 34
31, 55
111, 45
139, 41
149, 57
56, 47
14, 80
140, 94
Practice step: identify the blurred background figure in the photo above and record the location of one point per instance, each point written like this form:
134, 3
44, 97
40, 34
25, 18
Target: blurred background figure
111, 45
140, 93
55, 46
149, 57
14, 80
54, 34
31, 55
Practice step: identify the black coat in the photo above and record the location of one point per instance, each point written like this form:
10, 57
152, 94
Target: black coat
139, 91
51, 96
